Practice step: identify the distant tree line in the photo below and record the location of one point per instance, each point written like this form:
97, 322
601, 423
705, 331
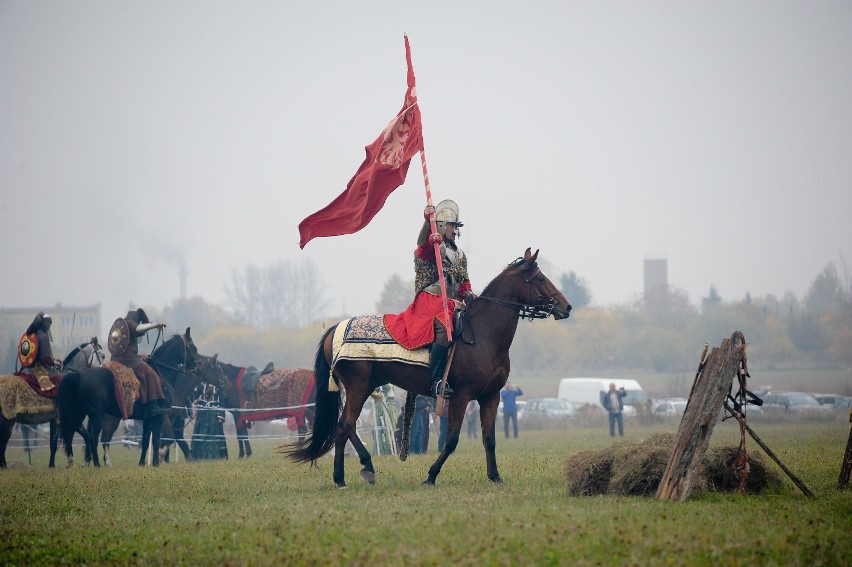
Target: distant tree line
278, 314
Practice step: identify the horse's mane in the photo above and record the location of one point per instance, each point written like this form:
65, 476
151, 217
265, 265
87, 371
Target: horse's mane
168, 346
513, 265
71, 355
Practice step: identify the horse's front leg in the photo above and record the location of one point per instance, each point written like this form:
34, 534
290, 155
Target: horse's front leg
156, 435
488, 419
146, 439
454, 422
110, 424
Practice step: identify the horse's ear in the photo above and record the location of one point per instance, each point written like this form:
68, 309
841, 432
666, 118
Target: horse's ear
534, 256
527, 255
187, 334
215, 356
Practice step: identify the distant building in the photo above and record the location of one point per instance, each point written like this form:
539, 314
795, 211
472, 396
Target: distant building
656, 276
71, 327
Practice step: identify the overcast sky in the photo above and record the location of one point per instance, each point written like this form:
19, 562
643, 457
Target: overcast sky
136, 137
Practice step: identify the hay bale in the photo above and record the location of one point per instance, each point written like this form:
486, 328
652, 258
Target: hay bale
635, 469
589, 473
719, 474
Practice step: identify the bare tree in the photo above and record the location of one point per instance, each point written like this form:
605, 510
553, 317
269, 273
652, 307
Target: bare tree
396, 295
286, 294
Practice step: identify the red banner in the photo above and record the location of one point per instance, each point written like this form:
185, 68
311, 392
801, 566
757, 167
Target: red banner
383, 170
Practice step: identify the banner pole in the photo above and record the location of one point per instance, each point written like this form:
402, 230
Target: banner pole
437, 247
439, 401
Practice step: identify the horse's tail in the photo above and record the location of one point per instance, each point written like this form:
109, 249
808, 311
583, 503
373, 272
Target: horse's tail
71, 410
326, 413
407, 418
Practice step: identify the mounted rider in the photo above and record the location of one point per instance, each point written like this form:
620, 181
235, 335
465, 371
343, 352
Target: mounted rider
423, 322
123, 345
35, 353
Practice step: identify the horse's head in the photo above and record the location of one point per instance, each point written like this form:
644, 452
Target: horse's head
178, 353
523, 286
211, 372
83, 356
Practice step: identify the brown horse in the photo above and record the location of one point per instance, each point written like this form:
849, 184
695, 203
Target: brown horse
479, 369
279, 393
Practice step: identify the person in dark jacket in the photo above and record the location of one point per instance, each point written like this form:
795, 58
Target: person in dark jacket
612, 403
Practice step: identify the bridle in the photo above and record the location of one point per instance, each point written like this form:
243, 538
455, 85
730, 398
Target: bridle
528, 310
181, 368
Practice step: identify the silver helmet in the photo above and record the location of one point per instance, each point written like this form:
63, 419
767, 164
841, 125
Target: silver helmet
447, 211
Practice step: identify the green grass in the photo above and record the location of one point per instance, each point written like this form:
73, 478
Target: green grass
268, 511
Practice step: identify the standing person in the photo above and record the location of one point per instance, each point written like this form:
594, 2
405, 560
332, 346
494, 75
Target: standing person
208, 433
613, 404
471, 415
36, 355
423, 322
123, 344
509, 395
420, 424
443, 424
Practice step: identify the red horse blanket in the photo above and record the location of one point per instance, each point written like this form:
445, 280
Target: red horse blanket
282, 392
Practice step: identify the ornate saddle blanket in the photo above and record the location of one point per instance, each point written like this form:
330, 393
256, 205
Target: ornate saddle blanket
33, 382
366, 338
281, 392
126, 386
19, 400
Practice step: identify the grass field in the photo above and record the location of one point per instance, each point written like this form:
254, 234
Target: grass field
268, 511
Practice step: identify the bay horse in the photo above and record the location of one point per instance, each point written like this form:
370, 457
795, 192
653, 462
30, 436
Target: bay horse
478, 370
92, 394
278, 393
78, 360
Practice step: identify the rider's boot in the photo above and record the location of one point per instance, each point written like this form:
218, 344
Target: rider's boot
437, 364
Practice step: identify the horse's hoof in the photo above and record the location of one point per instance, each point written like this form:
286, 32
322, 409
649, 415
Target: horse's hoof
342, 485
429, 482
496, 480
369, 476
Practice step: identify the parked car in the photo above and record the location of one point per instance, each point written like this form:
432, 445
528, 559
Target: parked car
761, 391
834, 401
549, 408
519, 404
798, 402
672, 406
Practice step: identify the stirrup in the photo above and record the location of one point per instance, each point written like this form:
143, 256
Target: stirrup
436, 387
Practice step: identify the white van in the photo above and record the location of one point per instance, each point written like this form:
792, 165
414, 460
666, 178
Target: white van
581, 391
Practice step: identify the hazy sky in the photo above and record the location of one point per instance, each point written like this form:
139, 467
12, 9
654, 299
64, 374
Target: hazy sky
138, 136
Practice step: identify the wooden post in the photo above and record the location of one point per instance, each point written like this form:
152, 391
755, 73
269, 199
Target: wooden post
846, 469
712, 385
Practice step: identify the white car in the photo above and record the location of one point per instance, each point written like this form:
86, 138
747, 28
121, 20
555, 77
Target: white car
670, 407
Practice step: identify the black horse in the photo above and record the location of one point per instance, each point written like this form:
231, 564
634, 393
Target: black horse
211, 372
81, 358
92, 394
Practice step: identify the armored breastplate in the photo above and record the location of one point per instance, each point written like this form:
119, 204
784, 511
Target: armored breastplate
455, 272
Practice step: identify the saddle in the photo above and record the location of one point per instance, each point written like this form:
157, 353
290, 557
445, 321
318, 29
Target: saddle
251, 377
